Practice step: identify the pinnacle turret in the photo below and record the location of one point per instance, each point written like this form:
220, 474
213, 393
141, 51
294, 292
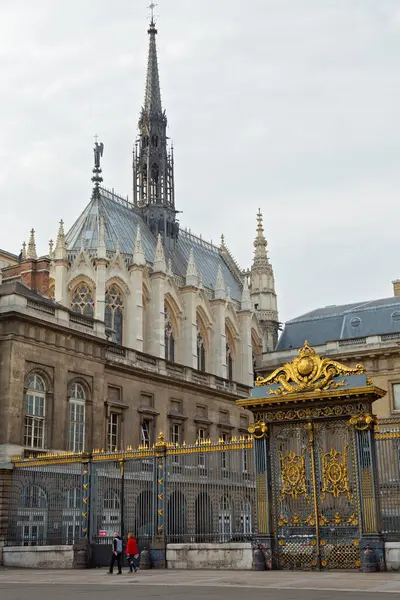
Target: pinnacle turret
245, 301
159, 265
191, 271
220, 288
138, 253
31, 252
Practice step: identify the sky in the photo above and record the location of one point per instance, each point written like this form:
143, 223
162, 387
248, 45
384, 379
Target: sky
287, 105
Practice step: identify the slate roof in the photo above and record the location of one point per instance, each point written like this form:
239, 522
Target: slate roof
121, 223
349, 321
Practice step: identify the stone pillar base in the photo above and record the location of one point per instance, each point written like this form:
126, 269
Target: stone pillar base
376, 543
82, 554
158, 552
267, 545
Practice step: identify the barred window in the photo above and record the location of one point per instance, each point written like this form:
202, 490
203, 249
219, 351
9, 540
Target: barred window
145, 433
83, 300
76, 418
114, 312
35, 412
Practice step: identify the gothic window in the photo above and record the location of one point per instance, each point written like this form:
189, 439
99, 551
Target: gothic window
35, 412
76, 418
229, 361
83, 300
169, 337
201, 353
114, 312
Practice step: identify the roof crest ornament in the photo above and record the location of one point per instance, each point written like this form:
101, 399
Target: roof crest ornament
307, 372
97, 178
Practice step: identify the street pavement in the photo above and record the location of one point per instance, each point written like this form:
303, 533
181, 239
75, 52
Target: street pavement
96, 584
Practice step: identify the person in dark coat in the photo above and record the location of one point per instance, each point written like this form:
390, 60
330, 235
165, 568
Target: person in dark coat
116, 553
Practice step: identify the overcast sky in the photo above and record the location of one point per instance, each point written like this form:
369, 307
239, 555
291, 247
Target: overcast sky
287, 105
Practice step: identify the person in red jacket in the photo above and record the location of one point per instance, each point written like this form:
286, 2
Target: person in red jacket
132, 552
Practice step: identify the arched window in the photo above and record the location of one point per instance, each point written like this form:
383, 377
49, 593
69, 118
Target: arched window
225, 518
114, 312
201, 352
111, 518
83, 300
32, 516
229, 361
246, 525
169, 336
76, 418
35, 412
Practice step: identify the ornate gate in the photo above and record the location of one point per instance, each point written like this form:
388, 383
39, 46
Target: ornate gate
315, 495
317, 499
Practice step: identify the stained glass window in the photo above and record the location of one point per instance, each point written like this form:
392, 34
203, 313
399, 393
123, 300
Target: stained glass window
201, 353
83, 300
114, 312
169, 337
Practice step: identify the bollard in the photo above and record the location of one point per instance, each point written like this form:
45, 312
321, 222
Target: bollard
370, 562
258, 560
145, 560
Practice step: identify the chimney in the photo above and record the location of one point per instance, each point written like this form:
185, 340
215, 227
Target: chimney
32, 272
396, 287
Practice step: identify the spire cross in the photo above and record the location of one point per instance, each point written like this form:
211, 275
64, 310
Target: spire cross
96, 138
152, 6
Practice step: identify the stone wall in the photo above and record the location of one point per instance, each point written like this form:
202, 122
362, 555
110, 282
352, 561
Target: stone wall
234, 556
39, 557
392, 556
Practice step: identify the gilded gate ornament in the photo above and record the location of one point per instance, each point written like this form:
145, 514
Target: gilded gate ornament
258, 430
308, 372
334, 474
363, 421
293, 472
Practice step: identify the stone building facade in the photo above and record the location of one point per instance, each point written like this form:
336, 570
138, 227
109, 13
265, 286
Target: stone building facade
363, 332
63, 386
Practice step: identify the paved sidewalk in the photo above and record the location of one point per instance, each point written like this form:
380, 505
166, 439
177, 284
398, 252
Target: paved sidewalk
337, 581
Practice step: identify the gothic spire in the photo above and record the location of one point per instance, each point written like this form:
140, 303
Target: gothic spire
152, 97
101, 245
159, 265
220, 289
31, 252
191, 271
61, 247
138, 253
260, 244
245, 300
153, 163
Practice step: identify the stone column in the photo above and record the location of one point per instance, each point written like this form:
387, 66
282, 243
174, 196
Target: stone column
218, 339
134, 334
245, 374
101, 272
188, 355
156, 315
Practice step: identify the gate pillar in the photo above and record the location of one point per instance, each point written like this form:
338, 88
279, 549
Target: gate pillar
369, 492
158, 544
264, 537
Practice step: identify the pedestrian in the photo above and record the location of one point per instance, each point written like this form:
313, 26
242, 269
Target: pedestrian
132, 552
116, 553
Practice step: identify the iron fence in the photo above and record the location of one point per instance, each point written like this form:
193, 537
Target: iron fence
387, 437
194, 493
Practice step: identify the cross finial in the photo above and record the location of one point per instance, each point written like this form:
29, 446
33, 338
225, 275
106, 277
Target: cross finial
96, 138
151, 7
